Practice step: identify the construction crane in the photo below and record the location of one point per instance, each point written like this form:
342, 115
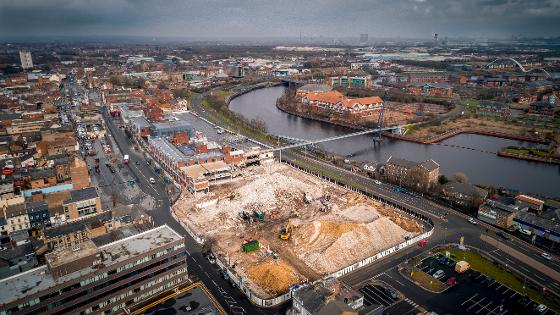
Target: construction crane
287, 231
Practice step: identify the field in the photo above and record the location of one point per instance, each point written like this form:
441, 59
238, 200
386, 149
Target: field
332, 228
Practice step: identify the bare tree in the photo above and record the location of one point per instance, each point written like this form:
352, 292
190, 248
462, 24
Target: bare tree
460, 177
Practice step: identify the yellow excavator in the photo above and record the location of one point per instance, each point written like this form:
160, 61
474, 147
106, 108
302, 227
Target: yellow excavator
287, 231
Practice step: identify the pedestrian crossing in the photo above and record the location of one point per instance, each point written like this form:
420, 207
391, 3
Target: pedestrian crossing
409, 301
377, 276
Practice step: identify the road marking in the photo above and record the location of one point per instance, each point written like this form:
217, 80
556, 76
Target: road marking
484, 307
472, 297
492, 311
527, 270
194, 259
397, 281
214, 282
484, 298
539, 277
514, 294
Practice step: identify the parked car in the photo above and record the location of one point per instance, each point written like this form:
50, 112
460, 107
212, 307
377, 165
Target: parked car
541, 308
525, 231
422, 243
439, 274
546, 256
451, 281
9, 164
390, 292
152, 180
524, 300
472, 221
503, 235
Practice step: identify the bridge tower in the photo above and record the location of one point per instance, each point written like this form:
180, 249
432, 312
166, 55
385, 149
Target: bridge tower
377, 136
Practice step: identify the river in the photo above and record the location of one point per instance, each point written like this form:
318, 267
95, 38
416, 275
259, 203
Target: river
473, 155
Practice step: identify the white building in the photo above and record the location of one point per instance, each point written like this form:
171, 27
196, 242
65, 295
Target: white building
26, 61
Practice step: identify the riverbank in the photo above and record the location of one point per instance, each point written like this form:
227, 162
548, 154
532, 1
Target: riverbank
475, 131
247, 89
528, 157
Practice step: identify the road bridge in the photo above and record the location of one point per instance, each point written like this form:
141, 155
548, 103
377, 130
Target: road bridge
519, 65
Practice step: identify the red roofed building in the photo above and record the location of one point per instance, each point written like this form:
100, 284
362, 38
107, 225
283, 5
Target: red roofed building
336, 101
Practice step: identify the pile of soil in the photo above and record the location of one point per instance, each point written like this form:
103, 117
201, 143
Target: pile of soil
274, 276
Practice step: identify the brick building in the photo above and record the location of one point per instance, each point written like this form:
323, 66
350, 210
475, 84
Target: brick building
82, 203
419, 176
430, 89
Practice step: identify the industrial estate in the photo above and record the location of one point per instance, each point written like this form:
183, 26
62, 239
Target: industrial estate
308, 175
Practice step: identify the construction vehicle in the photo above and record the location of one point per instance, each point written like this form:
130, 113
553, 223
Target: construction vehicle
307, 198
258, 215
250, 245
287, 231
245, 216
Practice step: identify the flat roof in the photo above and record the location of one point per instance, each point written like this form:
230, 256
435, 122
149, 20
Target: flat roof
40, 279
82, 194
194, 171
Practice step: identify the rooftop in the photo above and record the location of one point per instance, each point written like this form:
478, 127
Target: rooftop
80, 225
440, 85
40, 279
195, 171
466, 189
315, 88
82, 194
167, 148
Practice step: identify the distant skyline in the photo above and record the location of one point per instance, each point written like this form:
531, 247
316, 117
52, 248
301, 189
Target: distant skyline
223, 19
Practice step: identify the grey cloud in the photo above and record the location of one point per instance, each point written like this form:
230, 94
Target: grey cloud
249, 18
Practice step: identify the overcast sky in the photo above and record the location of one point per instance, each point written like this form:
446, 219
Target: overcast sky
279, 18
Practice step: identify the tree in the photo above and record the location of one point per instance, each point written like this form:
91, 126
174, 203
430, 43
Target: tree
259, 124
442, 179
460, 177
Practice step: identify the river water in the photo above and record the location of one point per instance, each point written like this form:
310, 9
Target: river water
473, 155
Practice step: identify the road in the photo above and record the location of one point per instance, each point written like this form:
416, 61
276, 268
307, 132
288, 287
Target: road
230, 298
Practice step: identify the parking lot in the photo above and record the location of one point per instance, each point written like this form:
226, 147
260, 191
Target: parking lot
475, 293
432, 265
379, 294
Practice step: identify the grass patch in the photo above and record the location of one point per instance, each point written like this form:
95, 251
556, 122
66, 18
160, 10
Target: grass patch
528, 151
427, 281
472, 103
502, 276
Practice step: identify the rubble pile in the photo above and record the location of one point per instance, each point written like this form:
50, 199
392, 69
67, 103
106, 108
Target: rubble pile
275, 276
329, 228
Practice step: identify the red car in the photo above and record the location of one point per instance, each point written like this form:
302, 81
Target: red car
451, 281
7, 171
422, 243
